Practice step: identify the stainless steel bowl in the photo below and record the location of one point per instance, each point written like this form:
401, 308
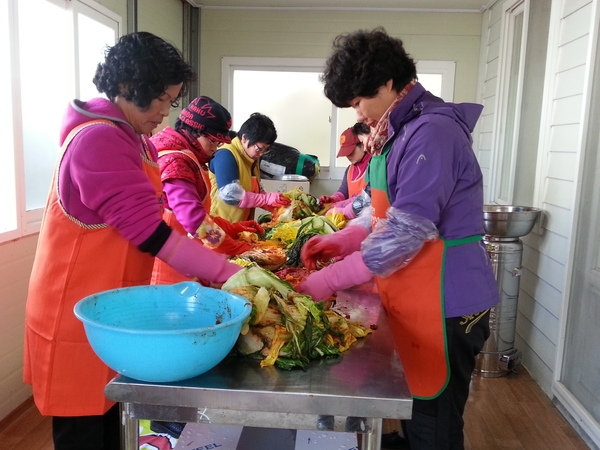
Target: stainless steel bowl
509, 220
290, 177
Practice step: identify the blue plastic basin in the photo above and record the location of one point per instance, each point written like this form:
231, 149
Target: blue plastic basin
163, 333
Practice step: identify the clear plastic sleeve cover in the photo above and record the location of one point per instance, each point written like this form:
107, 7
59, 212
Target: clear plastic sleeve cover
362, 200
232, 193
395, 241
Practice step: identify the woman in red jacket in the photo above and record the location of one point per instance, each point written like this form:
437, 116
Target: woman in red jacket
183, 155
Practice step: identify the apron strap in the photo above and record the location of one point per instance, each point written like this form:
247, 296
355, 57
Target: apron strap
461, 241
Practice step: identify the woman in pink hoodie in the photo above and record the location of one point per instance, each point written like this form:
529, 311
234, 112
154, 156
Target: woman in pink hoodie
102, 229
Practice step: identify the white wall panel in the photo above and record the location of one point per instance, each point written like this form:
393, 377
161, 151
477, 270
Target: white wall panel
569, 55
562, 165
545, 321
576, 24
491, 70
566, 110
559, 193
485, 142
543, 293
550, 270
543, 374
564, 138
572, 6
544, 348
553, 245
557, 220
570, 81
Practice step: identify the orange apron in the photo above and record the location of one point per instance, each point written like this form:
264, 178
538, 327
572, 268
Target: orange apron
355, 187
414, 300
204, 173
74, 260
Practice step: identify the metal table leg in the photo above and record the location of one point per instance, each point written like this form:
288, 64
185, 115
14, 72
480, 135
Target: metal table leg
372, 440
130, 430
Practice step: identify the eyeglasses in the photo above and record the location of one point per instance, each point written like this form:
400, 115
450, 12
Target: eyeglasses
261, 150
212, 141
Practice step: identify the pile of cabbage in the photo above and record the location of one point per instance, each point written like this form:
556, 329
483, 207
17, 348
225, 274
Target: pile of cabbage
285, 328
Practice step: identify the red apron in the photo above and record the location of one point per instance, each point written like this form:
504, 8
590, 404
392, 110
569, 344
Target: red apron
74, 260
414, 300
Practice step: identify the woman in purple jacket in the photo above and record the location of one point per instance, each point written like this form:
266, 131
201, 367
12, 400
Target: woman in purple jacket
425, 250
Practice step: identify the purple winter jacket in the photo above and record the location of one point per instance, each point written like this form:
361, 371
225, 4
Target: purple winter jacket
432, 171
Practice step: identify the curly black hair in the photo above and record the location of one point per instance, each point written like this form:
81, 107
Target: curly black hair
258, 128
140, 67
362, 62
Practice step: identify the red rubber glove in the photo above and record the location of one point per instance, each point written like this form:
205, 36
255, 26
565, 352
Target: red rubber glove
192, 259
350, 271
337, 197
274, 199
231, 247
232, 229
336, 245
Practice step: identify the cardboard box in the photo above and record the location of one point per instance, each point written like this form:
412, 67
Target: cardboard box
284, 186
197, 436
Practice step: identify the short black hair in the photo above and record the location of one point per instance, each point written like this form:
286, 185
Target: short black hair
361, 128
258, 128
362, 62
140, 67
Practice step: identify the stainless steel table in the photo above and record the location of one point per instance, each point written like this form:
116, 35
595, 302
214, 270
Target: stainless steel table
367, 381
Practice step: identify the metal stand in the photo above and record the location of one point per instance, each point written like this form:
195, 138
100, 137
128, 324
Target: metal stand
499, 357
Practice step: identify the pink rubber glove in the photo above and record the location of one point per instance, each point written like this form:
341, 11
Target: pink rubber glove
337, 197
327, 246
345, 206
192, 259
274, 199
348, 211
350, 271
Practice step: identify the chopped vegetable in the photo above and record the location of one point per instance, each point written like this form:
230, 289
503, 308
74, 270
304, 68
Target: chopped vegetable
264, 218
285, 232
310, 226
286, 328
253, 274
336, 217
303, 205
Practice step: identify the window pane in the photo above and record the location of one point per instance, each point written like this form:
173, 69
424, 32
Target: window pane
293, 100
8, 218
92, 39
44, 91
508, 150
345, 119
432, 82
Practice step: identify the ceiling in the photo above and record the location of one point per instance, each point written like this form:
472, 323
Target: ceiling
439, 5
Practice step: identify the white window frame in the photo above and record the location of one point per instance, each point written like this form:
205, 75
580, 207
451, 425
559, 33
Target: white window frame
230, 64
504, 116
29, 221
